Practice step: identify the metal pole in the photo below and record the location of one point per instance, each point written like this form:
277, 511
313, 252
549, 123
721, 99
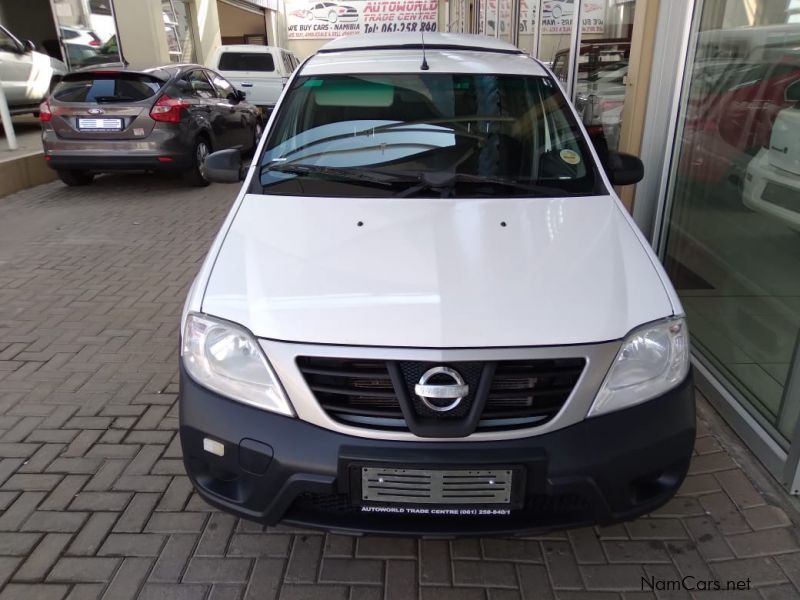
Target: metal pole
5, 118
574, 43
516, 7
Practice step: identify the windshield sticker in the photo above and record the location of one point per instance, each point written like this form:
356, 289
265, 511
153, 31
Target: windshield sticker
570, 157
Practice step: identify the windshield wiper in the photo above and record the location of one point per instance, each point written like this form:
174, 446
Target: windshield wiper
447, 181
348, 174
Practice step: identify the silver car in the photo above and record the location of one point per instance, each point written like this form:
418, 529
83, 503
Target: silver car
25, 74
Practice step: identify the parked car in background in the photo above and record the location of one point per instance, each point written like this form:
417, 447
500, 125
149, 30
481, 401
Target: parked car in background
79, 36
727, 127
428, 312
772, 180
259, 71
25, 74
107, 54
163, 119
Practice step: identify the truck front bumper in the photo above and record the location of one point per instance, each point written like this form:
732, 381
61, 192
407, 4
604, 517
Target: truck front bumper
274, 468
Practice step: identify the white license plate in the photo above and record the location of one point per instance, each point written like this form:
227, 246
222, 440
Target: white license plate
100, 124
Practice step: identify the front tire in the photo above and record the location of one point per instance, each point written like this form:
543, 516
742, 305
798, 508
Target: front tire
332, 17
195, 176
75, 178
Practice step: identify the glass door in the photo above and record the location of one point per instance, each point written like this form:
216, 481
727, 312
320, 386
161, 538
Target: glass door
732, 231
604, 60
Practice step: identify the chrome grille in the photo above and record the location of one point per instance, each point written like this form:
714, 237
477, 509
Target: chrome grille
362, 392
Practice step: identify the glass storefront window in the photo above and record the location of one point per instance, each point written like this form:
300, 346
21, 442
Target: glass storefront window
603, 62
733, 233
87, 32
178, 30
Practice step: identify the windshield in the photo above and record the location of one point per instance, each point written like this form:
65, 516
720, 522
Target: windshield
426, 134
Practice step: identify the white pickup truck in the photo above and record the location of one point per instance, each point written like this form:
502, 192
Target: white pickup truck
259, 71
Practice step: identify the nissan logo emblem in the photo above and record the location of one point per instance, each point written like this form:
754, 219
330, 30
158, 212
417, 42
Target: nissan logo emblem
441, 397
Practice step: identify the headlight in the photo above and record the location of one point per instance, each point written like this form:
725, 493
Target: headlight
653, 359
227, 359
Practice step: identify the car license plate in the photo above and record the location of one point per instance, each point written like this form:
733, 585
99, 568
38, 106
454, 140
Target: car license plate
100, 124
430, 491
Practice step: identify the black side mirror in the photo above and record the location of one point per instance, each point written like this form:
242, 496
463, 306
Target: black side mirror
224, 166
236, 96
29, 46
623, 169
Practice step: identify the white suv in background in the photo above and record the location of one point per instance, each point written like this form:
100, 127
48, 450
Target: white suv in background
259, 71
427, 311
25, 74
772, 180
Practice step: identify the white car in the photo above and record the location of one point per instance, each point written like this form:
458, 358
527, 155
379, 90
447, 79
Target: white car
259, 71
772, 180
25, 74
427, 312
80, 36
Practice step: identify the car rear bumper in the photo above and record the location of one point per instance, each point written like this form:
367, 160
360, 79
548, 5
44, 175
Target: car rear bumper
162, 150
102, 163
274, 468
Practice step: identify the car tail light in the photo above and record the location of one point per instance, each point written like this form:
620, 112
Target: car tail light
45, 114
94, 43
168, 109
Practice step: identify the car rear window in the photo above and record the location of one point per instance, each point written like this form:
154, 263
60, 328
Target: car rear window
246, 61
106, 87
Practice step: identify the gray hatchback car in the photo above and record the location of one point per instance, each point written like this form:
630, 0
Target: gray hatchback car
162, 119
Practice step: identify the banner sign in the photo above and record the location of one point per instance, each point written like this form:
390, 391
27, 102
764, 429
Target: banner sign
322, 20
490, 12
557, 16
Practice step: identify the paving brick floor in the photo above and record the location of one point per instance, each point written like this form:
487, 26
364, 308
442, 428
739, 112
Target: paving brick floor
94, 502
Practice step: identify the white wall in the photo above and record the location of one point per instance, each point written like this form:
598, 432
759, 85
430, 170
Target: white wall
302, 49
207, 34
141, 32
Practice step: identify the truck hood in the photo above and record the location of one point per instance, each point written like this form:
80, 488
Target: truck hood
434, 273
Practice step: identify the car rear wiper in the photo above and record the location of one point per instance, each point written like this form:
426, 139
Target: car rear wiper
349, 174
447, 181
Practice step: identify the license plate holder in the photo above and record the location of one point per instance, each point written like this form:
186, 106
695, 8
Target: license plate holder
437, 489
99, 125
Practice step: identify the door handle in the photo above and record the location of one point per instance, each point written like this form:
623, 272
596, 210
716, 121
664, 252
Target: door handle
247, 85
